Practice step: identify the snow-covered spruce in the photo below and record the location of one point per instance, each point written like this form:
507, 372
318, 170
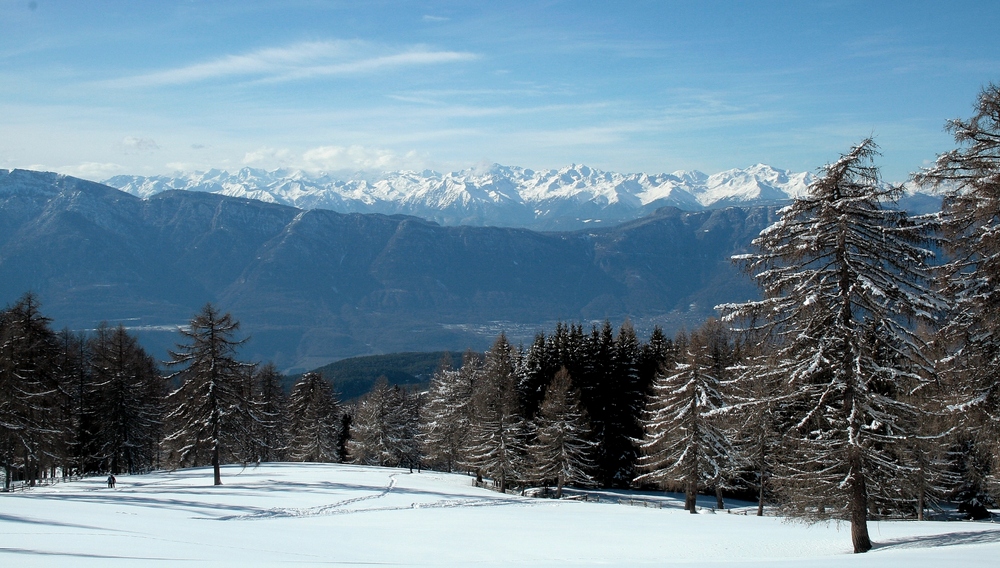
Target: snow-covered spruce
685, 445
124, 406
31, 426
384, 428
314, 413
563, 446
446, 416
495, 447
843, 277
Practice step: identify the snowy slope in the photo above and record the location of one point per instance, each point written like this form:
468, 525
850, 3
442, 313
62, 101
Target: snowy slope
498, 195
312, 515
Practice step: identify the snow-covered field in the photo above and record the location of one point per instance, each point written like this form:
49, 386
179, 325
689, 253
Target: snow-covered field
321, 514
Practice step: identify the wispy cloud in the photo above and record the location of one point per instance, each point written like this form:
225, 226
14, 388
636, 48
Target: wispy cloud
335, 157
134, 144
297, 61
94, 171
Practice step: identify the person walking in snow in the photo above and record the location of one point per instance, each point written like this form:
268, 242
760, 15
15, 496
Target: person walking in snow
111, 481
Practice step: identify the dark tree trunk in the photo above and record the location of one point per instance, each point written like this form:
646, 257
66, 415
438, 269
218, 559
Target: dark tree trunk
920, 503
691, 498
215, 465
859, 506
559, 486
760, 488
719, 503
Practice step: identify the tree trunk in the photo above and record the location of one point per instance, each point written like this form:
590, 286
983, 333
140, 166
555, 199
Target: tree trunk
691, 498
858, 506
760, 482
760, 500
559, 486
215, 465
719, 503
216, 427
920, 503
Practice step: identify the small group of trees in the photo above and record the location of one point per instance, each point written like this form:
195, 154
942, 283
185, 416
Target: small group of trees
78, 403
563, 411
74, 402
865, 380
228, 411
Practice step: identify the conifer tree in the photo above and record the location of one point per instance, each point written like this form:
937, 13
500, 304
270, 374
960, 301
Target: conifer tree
384, 428
315, 420
683, 445
970, 336
562, 449
75, 380
31, 426
496, 442
597, 392
446, 417
210, 412
756, 402
271, 429
840, 268
128, 393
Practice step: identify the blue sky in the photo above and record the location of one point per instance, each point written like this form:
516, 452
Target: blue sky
98, 88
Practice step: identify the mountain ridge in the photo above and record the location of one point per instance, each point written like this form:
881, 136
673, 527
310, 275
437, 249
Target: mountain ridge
572, 197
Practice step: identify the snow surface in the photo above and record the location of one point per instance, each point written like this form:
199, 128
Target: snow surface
343, 515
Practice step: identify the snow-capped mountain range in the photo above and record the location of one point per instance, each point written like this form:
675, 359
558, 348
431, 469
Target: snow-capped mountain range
567, 198
499, 195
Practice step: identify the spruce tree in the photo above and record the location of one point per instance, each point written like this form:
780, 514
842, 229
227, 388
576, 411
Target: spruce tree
562, 449
315, 420
384, 428
840, 268
683, 445
271, 429
211, 412
496, 443
445, 418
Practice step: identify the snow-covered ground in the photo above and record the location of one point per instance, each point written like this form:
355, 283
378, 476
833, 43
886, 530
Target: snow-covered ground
320, 514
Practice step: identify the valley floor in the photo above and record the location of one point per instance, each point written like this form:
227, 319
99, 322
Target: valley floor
344, 515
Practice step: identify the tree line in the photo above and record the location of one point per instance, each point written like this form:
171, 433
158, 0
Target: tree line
74, 403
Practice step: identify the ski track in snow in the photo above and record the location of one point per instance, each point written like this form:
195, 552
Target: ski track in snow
338, 507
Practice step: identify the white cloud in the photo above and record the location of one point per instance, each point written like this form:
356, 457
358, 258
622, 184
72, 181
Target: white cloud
332, 158
297, 61
268, 157
430, 18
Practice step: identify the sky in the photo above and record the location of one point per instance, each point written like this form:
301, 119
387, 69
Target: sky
100, 88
